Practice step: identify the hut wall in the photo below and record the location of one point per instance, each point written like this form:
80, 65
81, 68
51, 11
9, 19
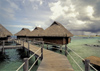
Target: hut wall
69, 40
36, 38
66, 40
21, 37
57, 40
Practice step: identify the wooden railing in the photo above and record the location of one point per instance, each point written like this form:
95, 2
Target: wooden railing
87, 62
26, 60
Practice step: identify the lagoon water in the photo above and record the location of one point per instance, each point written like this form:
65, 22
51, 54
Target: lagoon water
13, 61
77, 44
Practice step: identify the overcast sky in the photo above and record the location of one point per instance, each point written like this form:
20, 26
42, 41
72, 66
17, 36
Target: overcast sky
78, 16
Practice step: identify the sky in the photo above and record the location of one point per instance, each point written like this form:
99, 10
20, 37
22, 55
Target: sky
81, 17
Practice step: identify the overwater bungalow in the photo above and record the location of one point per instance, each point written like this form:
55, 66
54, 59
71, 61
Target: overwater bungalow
22, 33
34, 35
4, 33
56, 34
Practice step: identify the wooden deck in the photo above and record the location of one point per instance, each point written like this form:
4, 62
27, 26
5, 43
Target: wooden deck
51, 61
94, 60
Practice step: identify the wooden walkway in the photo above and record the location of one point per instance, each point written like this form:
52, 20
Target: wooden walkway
51, 61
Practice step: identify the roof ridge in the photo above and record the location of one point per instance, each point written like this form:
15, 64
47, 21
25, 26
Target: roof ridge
38, 28
5, 31
56, 30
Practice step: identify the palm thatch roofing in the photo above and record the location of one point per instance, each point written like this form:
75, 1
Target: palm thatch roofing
23, 32
56, 30
4, 32
35, 32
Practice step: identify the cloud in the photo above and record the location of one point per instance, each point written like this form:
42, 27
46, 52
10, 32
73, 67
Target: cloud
35, 23
7, 9
36, 3
13, 5
35, 7
77, 15
19, 26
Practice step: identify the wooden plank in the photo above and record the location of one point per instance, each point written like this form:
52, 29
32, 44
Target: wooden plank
54, 62
51, 61
11, 47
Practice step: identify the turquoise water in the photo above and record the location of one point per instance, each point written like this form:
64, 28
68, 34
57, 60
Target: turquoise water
13, 61
83, 50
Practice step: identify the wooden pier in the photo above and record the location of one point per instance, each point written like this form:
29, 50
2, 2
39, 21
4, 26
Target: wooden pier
51, 61
54, 62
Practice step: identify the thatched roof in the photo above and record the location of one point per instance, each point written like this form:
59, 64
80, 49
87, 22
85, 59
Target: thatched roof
36, 32
23, 32
56, 30
4, 32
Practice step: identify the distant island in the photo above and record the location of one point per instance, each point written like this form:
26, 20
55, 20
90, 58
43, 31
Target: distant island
87, 35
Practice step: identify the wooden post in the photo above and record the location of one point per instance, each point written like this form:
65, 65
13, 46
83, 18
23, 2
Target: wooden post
39, 44
23, 46
25, 67
65, 50
61, 48
28, 45
3, 46
25, 39
13, 41
28, 51
18, 41
36, 61
87, 66
47, 46
23, 43
42, 50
